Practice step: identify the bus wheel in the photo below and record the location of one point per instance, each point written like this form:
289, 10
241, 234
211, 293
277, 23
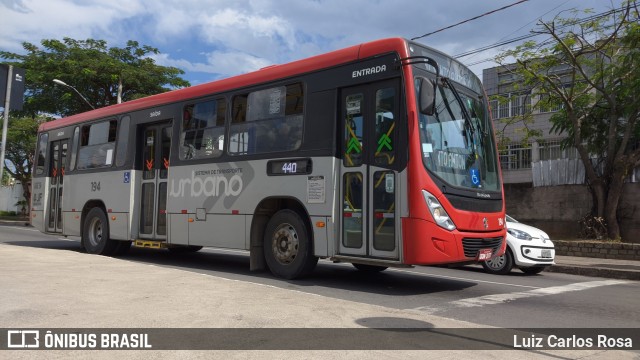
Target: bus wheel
369, 268
287, 246
95, 235
499, 265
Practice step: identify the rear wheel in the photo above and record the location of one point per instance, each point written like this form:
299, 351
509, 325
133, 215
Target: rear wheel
95, 234
499, 265
288, 250
532, 270
369, 268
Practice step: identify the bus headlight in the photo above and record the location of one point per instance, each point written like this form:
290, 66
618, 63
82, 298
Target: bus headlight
437, 211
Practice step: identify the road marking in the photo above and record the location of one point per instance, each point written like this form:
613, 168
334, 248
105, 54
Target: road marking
22, 228
465, 279
495, 299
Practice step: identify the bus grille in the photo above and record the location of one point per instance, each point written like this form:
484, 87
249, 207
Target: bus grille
471, 246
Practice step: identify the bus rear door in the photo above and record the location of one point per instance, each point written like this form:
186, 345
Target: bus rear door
156, 147
369, 186
57, 162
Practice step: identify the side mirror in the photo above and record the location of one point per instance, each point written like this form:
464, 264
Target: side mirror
427, 98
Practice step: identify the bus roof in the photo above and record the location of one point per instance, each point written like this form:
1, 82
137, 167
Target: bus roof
266, 74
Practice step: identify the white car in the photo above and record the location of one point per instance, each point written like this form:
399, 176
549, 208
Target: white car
528, 248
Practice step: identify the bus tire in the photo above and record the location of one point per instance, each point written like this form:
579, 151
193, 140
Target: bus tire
499, 265
369, 268
288, 250
95, 234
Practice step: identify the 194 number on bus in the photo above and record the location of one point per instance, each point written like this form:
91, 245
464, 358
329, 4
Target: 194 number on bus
95, 186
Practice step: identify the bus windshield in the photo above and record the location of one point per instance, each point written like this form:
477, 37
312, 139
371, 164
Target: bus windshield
458, 147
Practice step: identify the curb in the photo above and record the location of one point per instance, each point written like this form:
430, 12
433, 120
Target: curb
595, 272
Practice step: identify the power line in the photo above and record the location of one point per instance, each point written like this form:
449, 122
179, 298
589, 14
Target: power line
471, 19
515, 31
523, 37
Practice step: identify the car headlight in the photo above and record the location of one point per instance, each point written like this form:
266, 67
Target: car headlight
519, 234
437, 211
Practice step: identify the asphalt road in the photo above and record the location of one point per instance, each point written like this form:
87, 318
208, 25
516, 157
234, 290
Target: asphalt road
467, 293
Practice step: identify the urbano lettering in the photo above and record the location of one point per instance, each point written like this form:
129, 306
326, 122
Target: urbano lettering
215, 185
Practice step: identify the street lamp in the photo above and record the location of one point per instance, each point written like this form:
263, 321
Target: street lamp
60, 82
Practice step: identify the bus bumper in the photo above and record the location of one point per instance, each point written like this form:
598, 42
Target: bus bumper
425, 243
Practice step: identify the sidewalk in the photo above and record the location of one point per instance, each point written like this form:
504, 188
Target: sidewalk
589, 266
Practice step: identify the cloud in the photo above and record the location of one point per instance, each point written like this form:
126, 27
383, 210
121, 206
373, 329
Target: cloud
227, 37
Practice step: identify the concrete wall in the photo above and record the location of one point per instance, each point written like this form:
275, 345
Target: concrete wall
9, 196
557, 209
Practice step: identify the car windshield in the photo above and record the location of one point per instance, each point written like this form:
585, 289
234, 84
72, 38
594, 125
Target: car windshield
510, 219
456, 147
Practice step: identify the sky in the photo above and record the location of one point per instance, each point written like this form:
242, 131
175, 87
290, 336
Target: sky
213, 39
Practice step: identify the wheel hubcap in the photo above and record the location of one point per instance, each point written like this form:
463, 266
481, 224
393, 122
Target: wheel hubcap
497, 263
284, 244
95, 232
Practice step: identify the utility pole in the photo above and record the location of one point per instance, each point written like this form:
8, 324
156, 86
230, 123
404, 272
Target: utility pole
7, 103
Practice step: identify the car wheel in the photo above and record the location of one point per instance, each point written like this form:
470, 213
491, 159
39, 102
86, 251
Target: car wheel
369, 268
288, 249
532, 270
499, 265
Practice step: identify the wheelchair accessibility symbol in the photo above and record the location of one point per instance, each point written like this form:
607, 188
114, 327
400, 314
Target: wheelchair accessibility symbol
475, 177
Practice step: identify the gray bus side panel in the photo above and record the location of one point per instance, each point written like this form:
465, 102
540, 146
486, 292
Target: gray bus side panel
108, 187
229, 193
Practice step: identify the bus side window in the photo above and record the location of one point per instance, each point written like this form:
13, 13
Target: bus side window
123, 141
97, 144
74, 148
202, 133
42, 153
266, 121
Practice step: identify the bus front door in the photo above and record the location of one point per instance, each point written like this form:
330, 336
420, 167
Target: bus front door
369, 224
156, 147
57, 161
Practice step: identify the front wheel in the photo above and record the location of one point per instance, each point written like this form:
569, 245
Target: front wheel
499, 265
95, 234
288, 249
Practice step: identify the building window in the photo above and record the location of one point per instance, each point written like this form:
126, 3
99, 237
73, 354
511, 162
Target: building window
547, 104
515, 157
511, 105
552, 150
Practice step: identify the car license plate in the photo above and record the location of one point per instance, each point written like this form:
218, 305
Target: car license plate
485, 254
546, 254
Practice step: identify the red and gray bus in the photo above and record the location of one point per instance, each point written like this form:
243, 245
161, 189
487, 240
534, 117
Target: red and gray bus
380, 155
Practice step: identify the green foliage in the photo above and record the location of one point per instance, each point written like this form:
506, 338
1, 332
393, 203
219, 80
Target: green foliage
592, 68
97, 71
20, 149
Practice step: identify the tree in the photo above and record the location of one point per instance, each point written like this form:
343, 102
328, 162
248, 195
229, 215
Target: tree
20, 149
592, 68
105, 76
